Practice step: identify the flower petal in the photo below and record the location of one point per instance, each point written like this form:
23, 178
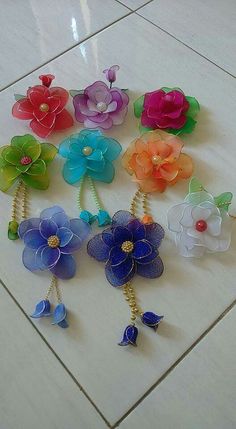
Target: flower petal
23, 109
142, 249
50, 212
12, 155
29, 259
112, 277
37, 182
122, 234
28, 224
108, 238
174, 215
65, 268
80, 228
117, 256
42, 309
47, 228
106, 175
33, 239
154, 234
129, 336
63, 120
64, 235
50, 256
32, 149
98, 249
121, 218
152, 270
59, 314
214, 225
72, 176
37, 168
199, 212
74, 244
48, 152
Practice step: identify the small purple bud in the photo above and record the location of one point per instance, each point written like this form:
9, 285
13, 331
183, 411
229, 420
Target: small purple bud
111, 73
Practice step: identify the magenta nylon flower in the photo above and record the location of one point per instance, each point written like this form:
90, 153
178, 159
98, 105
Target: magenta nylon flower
99, 106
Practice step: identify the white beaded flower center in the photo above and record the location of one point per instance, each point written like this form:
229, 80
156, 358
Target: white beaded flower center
101, 106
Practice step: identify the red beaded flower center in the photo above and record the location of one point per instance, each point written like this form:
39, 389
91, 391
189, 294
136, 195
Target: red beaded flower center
25, 160
201, 225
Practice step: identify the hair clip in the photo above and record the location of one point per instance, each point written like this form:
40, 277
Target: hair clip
24, 163
100, 105
45, 107
130, 246
167, 108
201, 223
49, 242
89, 156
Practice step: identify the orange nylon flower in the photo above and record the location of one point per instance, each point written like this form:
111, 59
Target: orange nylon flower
155, 160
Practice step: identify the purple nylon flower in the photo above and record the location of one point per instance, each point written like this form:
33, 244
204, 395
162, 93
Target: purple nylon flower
100, 106
128, 247
50, 240
111, 73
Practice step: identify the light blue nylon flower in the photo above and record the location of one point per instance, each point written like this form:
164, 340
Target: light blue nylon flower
89, 152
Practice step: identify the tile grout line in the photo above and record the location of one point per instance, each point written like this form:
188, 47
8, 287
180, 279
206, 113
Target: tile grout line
180, 41
130, 12
175, 364
56, 356
134, 10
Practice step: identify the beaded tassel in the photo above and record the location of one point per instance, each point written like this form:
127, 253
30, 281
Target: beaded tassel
19, 210
102, 215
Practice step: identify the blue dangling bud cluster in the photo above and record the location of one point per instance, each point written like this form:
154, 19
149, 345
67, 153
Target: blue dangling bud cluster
131, 331
43, 309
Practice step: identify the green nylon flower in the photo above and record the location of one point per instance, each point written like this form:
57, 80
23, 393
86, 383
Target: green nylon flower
25, 159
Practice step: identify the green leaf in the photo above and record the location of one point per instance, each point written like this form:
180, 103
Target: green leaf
143, 130
36, 182
38, 168
13, 230
166, 89
224, 200
194, 106
138, 106
74, 92
48, 152
195, 185
19, 97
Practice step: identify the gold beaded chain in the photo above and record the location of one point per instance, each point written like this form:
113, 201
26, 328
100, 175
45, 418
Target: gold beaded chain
135, 309
139, 198
19, 210
54, 285
15, 202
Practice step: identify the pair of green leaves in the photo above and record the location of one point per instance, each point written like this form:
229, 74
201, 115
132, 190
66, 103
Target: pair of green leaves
222, 201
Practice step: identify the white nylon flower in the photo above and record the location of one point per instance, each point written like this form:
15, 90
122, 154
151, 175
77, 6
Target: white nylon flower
199, 225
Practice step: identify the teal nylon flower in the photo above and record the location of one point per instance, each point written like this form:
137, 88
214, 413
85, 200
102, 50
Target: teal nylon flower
89, 153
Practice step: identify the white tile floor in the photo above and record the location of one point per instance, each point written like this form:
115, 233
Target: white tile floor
43, 368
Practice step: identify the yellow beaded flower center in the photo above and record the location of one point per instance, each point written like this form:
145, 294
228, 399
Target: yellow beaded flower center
44, 107
53, 241
127, 246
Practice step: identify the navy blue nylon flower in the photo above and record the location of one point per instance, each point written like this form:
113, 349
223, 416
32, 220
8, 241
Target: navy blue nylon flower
50, 240
128, 247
